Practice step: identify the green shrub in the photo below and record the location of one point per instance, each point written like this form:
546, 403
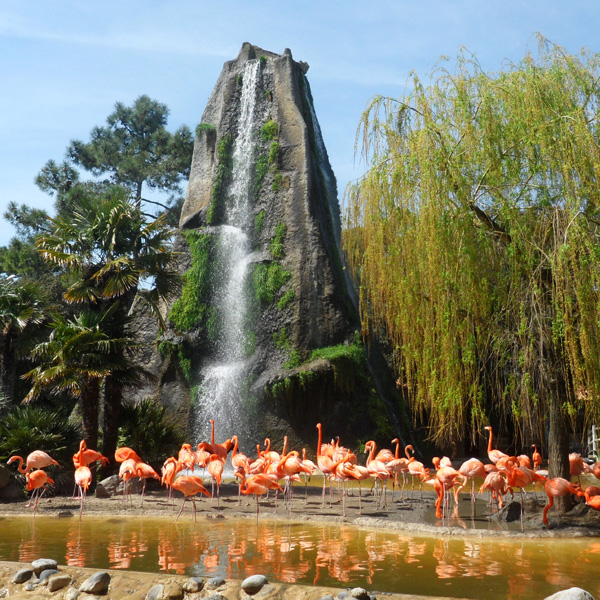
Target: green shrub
262, 167
190, 310
27, 428
295, 359
281, 339
150, 431
204, 127
216, 210
276, 243
286, 299
269, 130
274, 154
259, 221
267, 280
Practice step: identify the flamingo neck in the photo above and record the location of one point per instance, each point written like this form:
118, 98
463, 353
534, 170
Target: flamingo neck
490, 442
319, 442
235, 446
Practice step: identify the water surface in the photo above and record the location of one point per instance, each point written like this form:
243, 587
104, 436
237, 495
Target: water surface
328, 555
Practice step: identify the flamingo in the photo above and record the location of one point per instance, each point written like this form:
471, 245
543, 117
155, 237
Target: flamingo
494, 455
577, 466
83, 479
127, 472
537, 458
471, 469
258, 485
145, 471
417, 468
186, 457
38, 459
556, 488
221, 450
86, 456
37, 481
307, 474
168, 471
325, 463
215, 468
189, 486
495, 483
377, 469
123, 453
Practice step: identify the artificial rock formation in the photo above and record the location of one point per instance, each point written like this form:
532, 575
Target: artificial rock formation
261, 206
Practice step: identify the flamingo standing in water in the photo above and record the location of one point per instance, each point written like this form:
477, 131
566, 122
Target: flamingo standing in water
471, 469
537, 458
215, 468
493, 454
325, 463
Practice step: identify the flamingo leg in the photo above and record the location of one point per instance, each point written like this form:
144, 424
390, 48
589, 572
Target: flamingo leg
180, 510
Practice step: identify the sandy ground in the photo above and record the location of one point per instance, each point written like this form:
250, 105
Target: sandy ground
399, 512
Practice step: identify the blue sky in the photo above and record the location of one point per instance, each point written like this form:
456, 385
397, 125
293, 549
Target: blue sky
64, 64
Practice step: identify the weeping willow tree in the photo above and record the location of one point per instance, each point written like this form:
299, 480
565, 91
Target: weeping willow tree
474, 238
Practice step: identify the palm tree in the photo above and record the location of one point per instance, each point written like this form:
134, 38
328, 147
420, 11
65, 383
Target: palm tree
75, 359
110, 253
22, 309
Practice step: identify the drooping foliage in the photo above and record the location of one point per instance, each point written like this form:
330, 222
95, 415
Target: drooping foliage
474, 237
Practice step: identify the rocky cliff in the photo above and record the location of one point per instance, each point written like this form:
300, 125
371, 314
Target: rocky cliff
264, 327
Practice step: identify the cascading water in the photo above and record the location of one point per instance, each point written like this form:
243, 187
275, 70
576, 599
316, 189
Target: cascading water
220, 392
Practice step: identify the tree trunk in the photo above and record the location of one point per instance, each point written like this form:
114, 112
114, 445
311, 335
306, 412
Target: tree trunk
89, 412
112, 411
558, 447
7, 367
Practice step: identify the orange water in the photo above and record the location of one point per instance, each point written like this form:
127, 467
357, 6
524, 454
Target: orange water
311, 554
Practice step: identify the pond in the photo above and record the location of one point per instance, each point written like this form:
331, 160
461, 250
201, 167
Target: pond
328, 555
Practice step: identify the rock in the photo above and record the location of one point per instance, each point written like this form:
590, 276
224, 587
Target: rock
47, 573
41, 564
326, 598
57, 582
168, 591
252, 585
11, 491
22, 576
215, 597
5, 474
214, 582
30, 587
343, 594
107, 487
359, 593
156, 592
573, 593
193, 584
96, 584
72, 594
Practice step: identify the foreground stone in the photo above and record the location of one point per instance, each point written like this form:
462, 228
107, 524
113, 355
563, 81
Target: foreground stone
42, 564
573, 593
252, 585
96, 584
57, 582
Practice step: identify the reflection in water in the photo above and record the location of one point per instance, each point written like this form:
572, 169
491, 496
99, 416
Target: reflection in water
321, 555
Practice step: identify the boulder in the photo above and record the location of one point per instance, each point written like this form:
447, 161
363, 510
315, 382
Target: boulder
193, 585
22, 576
252, 585
47, 573
573, 593
96, 584
57, 582
41, 564
359, 593
214, 582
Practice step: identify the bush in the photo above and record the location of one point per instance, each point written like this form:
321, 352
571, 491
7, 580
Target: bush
28, 428
148, 429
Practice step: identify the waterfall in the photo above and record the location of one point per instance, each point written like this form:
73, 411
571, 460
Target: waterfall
221, 389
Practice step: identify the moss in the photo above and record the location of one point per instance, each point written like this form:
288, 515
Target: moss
261, 169
191, 311
216, 210
281, 339
294, 360
259, 221
204, 127
181, 352
274, 154
269, 130
277, 181
267, 280
276, 244
263, 61
286, 299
